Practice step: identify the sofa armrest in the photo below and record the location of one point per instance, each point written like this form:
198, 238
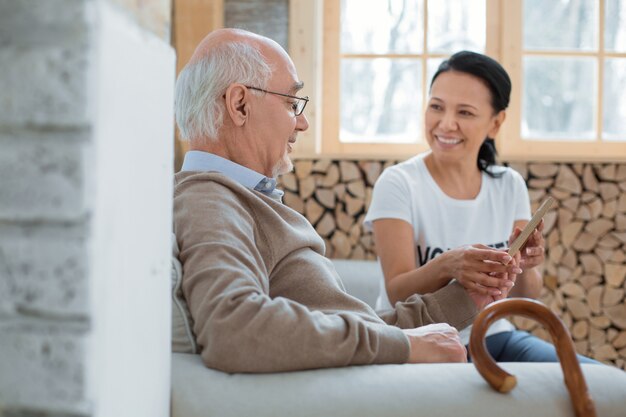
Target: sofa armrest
392, 390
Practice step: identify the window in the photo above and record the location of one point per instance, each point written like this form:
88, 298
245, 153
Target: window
379, 57
567, 59
387, 55
373, 59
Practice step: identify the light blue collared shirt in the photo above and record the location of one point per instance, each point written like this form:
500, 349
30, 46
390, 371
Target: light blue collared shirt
204, 161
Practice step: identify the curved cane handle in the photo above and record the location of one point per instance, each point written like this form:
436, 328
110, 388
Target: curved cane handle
504, 382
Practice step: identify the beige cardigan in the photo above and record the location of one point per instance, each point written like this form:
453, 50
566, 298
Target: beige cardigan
264, 298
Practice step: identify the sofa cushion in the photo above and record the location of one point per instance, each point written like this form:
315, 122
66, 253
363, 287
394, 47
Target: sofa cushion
387, 390
183, 340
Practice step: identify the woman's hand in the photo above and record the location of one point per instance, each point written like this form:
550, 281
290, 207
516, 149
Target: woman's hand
533, 251
481, 269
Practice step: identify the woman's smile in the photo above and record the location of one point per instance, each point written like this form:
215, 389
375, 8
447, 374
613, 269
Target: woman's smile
448, 141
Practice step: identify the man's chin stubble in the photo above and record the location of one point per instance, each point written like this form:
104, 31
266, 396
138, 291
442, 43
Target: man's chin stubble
283, 166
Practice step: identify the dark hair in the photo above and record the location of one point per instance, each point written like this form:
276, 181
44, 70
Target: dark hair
499, 84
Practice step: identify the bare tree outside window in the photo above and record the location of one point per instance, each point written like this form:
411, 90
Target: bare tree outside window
383, 59
614, 117
561, 70
385, 50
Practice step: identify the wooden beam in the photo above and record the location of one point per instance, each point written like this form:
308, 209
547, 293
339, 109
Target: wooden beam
305, 48
192, 21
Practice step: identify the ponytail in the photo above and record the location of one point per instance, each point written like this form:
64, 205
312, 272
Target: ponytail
487, 158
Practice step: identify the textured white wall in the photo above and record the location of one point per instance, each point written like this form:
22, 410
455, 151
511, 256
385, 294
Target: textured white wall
44, 206
86, 130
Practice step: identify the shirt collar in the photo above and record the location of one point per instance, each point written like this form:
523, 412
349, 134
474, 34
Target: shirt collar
204, 161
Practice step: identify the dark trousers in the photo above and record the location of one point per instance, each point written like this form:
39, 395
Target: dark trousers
520, 346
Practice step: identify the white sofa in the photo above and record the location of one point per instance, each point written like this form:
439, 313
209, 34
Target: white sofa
385, 390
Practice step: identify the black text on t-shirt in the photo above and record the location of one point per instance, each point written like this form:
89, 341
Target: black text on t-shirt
427, 254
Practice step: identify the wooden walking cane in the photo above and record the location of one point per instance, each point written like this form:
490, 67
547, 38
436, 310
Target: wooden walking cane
504, 382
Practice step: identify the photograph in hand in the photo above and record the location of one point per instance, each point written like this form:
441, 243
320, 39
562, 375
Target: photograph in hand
530, 226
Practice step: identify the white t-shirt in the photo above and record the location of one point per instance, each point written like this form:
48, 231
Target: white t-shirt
408, 192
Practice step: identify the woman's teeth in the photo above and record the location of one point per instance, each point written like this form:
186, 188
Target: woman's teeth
448, 141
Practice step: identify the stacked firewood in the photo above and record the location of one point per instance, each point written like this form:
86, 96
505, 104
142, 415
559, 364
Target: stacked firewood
585, 269
334, 196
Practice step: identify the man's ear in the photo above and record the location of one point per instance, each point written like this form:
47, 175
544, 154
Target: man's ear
237, 103
498, 120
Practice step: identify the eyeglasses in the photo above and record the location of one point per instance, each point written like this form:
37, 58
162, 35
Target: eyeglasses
298, 106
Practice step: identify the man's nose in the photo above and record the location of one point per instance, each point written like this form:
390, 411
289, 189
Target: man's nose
302, 123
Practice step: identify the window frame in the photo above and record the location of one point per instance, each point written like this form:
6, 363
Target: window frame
314, 37
516, 148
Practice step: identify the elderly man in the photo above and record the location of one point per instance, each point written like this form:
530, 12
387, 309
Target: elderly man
262, 295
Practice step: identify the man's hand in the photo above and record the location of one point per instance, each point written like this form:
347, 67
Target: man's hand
482, 300
435, 343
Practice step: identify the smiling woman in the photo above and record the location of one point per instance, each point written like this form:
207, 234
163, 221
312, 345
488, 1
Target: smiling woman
468, 97
426, 212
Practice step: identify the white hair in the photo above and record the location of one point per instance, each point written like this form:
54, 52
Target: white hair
198, 103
